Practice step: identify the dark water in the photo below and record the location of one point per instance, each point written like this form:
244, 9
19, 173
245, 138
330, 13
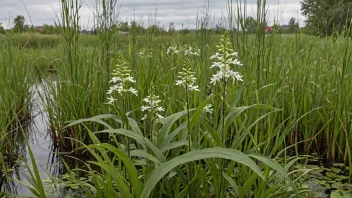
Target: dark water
46, 157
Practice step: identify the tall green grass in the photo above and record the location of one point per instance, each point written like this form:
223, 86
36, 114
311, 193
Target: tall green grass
298, 74
294, 100
15, 99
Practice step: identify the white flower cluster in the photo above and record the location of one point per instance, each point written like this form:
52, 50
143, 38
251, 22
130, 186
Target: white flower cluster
225, 58
120, 79
152, 106
185, 50
192, 52
172, 50
186, 78
145, 54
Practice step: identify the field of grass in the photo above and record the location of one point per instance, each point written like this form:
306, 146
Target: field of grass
181, 135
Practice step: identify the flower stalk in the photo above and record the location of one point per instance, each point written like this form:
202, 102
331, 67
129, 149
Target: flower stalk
224, 59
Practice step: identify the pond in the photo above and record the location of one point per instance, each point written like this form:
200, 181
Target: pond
45, 152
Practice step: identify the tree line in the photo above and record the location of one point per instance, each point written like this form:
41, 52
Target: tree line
326, 17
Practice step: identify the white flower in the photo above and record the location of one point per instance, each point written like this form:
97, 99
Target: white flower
152, 106
120, 89
115, 79
236, 62
193, 88
216, 77
133, 91
160, 109
186, 78
145, 117
146, 99
191, 52
234, 54
208, 108
236, 76
145, 108
111, 100
159, 116
172, 50
179, 82
215, 56
112, 89
150, 55
121, 78
130, 79
216, 64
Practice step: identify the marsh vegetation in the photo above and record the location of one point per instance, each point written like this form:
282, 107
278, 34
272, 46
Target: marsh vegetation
201, 114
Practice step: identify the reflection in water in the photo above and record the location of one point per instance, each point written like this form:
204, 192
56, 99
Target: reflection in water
45, 153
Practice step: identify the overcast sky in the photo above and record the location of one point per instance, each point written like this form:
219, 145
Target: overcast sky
177, 11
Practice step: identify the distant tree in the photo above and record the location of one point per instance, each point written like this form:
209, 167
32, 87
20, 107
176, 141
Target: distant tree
185, 31
134, 27
48, 29
123, 26
2, 30
250, 24
26, 28
293, 25
58, 29
219, 29
137, 28
18, 24
155, 30
276, 28
171, 28
325, 17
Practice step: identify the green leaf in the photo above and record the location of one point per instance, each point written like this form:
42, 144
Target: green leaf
167, 125
166, 167
131, 169
99, 119
277, 167
175, 145
195, 118
169, 138
145, 142
231, 182
214, 134
234, 113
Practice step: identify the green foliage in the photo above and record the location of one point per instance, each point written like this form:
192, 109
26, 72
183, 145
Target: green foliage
50, 29
251, 24
160, 173
325, 17
295, 96
35, 184
293, 25
18, 24
2, 30
15, 98
171, 28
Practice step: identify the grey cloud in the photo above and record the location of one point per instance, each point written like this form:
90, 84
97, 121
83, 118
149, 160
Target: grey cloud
178, 11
